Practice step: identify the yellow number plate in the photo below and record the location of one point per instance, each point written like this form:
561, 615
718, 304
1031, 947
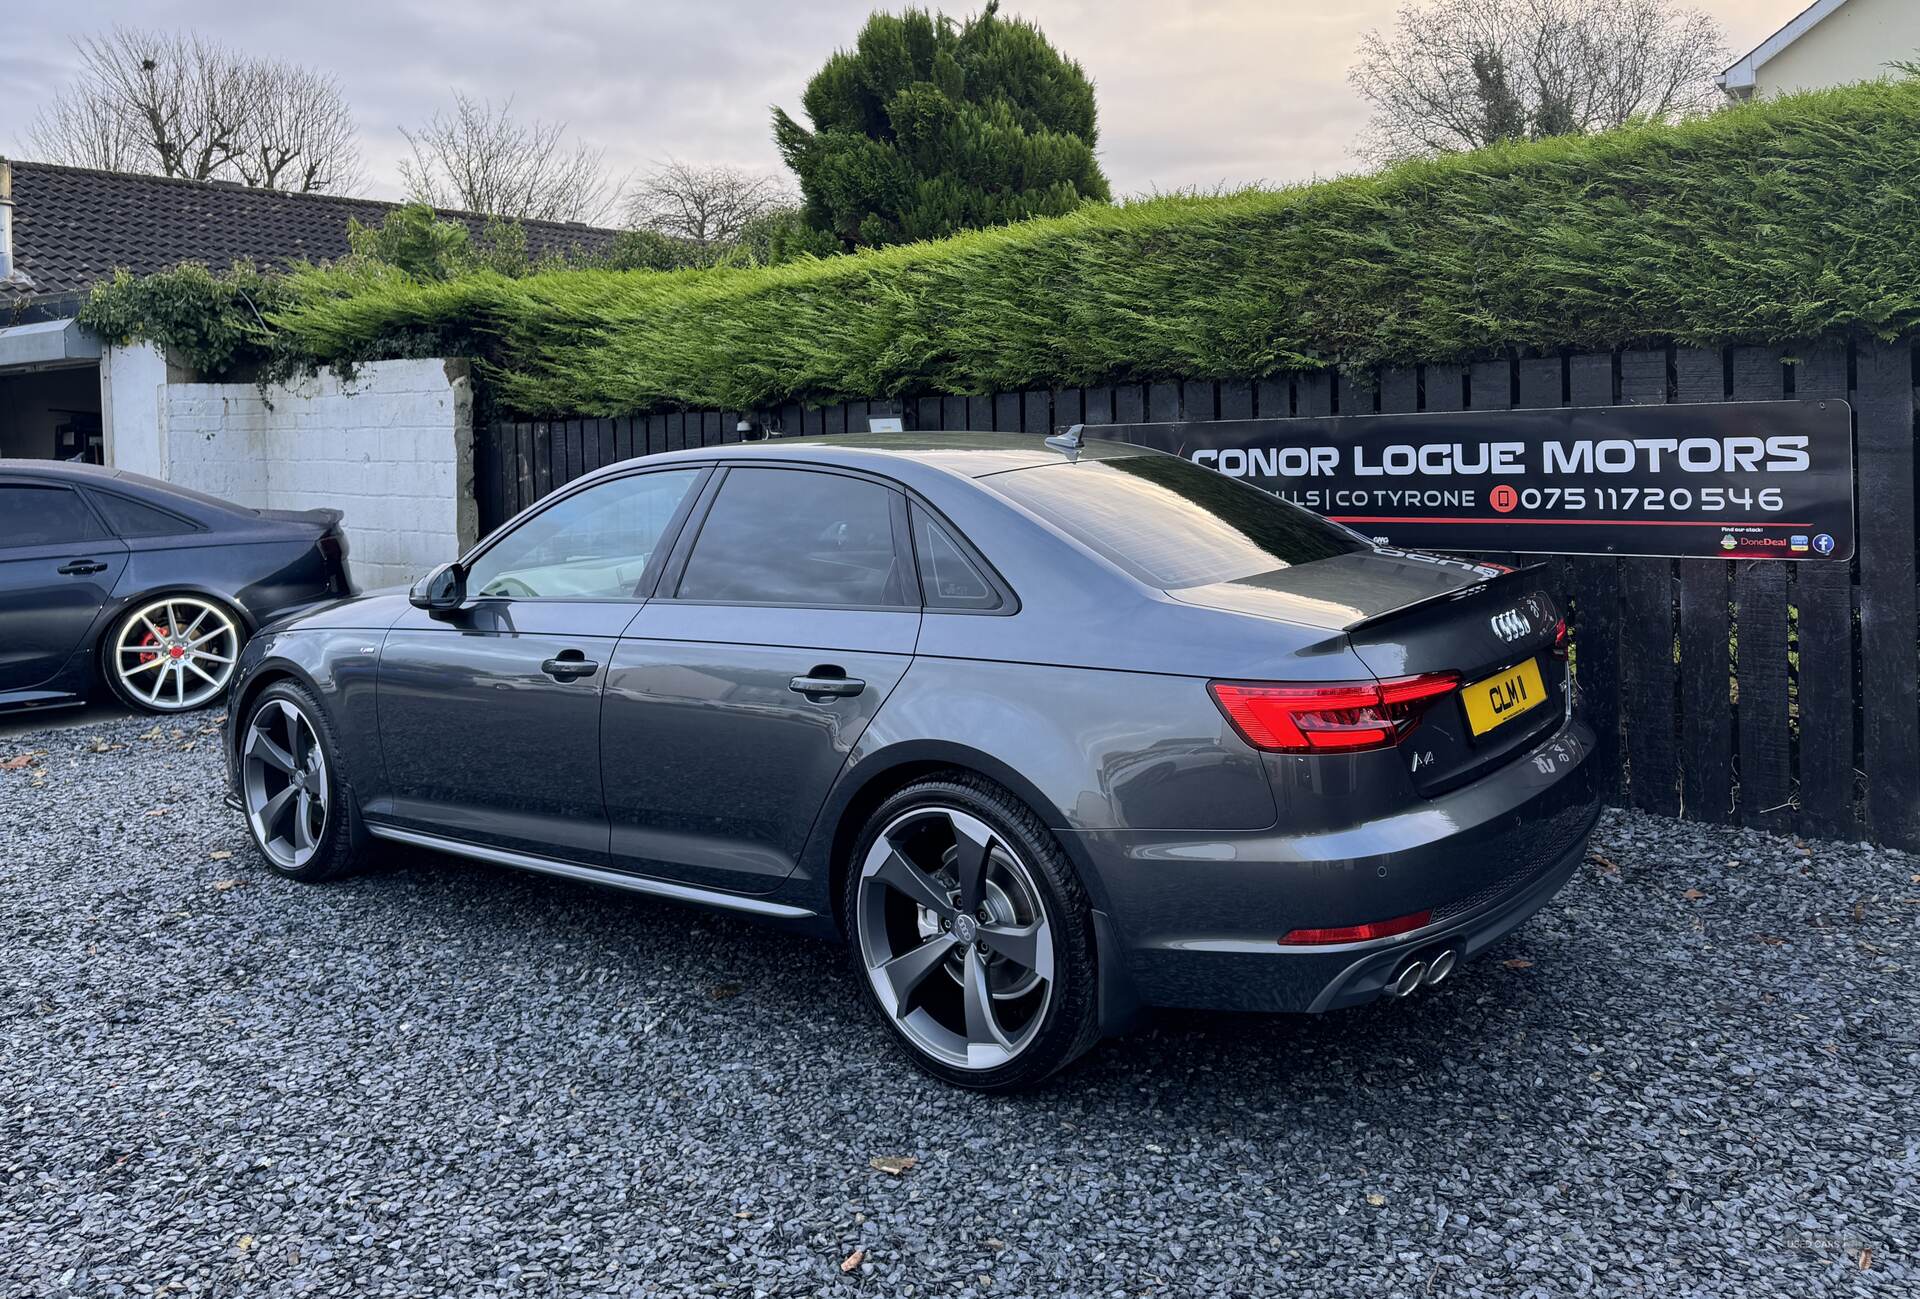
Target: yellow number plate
1498, 699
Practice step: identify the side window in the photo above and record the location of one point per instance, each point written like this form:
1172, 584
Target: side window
44, 516
789, 536
948, 578
594, 545
129, 518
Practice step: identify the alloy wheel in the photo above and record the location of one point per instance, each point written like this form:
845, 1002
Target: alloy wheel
954, 938
284, 776
175, 654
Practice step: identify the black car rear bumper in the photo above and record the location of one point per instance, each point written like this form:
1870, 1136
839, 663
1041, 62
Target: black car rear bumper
1199, 920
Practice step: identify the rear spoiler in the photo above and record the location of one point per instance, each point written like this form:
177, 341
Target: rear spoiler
325, 518
1389, 615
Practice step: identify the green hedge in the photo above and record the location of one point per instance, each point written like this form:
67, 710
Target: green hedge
1770, 222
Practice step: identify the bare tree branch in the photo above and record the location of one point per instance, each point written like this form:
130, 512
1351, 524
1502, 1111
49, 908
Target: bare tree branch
1461, 74
82, 131
177, 104
707, 206
480, 159
302, 133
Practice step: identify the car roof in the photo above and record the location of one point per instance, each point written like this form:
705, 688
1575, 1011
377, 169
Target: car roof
963, 453
154, 490
56, 469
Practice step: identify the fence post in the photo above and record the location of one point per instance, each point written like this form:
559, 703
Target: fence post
1646, 635
1827, 696
1884, 400
1706, 720
1760, 595
1596, 605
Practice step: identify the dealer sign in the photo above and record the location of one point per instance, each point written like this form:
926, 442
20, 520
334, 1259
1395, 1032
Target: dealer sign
1736, 480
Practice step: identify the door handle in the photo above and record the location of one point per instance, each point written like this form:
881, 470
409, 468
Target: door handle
81, 567
571, 665
826, 684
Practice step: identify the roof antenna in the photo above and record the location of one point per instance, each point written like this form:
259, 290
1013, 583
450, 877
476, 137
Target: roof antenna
1069, 441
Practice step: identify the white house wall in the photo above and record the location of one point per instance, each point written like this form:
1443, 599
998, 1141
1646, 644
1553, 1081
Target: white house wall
1858, 41
131, 379
392, 448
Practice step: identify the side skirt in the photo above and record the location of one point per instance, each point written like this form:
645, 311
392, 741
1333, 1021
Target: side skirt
589, 874
21, 702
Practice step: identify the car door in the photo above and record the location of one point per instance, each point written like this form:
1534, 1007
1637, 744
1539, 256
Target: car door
58, 566
786, 618
490, 714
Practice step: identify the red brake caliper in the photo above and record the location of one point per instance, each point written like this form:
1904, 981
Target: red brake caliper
153, 638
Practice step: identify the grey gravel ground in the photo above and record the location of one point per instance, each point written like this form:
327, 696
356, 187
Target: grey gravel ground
1698, 1072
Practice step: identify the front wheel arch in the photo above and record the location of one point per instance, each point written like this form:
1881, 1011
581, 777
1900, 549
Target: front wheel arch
267, 674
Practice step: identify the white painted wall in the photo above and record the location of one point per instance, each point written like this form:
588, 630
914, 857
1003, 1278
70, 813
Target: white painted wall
392, 447
131, 378
1856, 42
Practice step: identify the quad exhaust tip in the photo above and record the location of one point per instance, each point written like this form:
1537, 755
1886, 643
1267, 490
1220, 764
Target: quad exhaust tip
1415, 973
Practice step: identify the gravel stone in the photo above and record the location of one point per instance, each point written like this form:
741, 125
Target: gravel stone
1695, 1073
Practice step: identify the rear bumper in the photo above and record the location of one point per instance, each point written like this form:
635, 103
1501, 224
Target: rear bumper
1197, 919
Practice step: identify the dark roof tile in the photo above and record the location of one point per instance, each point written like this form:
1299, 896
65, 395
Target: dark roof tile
73, 226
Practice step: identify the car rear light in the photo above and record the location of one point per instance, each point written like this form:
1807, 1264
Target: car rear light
1560, 637
1356, 933
1339, 717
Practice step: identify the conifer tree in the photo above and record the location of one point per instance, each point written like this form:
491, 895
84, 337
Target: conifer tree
927, 127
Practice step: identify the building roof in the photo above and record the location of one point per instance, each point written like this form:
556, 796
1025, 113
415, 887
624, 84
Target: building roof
1740, 79
73, 226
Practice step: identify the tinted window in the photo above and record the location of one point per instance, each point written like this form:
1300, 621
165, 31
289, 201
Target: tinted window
785, 536
948, 578
44, 516
130, 518
594, 545
1171, 523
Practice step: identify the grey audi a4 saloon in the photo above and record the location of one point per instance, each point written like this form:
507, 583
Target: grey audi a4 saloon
1045, 734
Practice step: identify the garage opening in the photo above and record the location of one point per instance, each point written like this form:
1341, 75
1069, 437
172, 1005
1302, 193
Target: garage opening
51, 413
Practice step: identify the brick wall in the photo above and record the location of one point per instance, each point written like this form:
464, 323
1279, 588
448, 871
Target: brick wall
392, 447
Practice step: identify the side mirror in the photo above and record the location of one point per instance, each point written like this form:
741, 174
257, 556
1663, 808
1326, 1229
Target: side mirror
441, 591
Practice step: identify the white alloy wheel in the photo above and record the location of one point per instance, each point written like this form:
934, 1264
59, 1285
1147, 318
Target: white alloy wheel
174, 654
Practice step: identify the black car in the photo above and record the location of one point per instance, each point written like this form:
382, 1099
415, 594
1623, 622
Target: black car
1045, 733
107, 574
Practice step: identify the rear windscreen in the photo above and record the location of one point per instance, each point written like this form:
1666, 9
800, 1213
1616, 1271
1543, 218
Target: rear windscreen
174, 489
1171, 523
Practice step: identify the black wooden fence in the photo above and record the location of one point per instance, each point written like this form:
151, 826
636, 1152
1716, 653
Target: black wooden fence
1752, 692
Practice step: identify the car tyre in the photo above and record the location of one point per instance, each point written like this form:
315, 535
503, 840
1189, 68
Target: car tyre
998, 1001
294, 789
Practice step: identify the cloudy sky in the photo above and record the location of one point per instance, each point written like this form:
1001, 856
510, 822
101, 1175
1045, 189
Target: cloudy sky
1191, 92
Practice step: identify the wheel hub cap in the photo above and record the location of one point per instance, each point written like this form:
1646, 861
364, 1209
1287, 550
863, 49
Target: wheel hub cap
964, 928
